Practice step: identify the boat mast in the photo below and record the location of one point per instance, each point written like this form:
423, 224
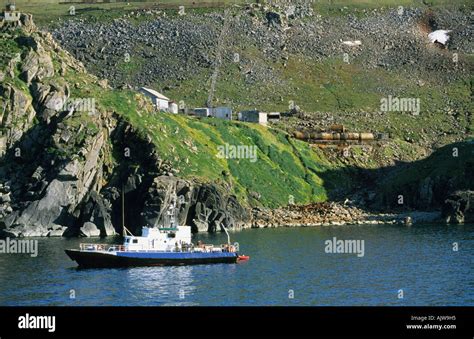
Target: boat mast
228, 236
124, 232
124, 229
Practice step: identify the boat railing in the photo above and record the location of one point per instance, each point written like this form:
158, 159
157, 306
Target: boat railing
101, 247
213, 248
117, 248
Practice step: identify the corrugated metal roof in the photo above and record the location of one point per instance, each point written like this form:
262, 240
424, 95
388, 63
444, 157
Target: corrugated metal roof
155, 93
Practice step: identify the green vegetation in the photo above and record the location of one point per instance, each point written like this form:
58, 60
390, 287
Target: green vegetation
9, 50
192, 145
345, 7
49, 12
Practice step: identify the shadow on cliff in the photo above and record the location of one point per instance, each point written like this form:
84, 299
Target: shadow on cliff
423, 184
137, 166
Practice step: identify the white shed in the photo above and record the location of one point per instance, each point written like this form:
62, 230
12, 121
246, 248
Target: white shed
173, 107
159, 100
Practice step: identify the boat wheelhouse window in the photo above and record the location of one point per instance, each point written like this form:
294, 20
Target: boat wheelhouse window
171, 235
127, 240
135, 241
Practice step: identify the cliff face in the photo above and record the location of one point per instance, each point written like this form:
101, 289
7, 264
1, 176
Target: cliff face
64, 162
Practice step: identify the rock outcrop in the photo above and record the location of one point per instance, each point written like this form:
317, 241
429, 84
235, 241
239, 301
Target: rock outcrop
458, 208
205, 207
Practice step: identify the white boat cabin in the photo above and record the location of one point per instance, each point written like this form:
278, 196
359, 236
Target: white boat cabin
160, 239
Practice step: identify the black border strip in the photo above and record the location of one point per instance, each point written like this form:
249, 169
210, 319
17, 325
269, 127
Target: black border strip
136, 322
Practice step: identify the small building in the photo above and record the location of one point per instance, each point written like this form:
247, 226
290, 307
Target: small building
222, 113
253, 116
159, 100
202, 112
10, 14
173, 107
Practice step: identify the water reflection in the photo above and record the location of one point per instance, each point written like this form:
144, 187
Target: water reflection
167, 285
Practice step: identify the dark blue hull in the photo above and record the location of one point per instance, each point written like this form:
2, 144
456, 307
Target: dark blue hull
129, 259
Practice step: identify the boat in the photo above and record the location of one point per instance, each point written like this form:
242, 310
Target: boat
163, 245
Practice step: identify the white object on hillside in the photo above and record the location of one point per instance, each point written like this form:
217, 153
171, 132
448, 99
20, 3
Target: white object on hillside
352, 43
441, 36
159, 100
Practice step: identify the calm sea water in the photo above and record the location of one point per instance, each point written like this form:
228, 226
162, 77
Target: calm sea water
284, 263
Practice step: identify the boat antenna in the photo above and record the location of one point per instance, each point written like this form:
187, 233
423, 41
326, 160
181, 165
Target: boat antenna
124, 229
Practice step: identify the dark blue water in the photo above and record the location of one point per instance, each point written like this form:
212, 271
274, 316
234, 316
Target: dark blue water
418, 260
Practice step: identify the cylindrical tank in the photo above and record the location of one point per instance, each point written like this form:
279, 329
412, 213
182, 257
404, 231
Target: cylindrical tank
321, 136
353, 136
300, 135
326, 136
367, 136
336, 136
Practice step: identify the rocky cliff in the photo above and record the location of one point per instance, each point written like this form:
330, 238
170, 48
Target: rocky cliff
64, 164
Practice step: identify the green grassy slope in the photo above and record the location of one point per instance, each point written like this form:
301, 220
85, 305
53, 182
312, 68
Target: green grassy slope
47, 11
283, 167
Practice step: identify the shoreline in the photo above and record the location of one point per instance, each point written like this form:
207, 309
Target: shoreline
336, 214
312, 215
